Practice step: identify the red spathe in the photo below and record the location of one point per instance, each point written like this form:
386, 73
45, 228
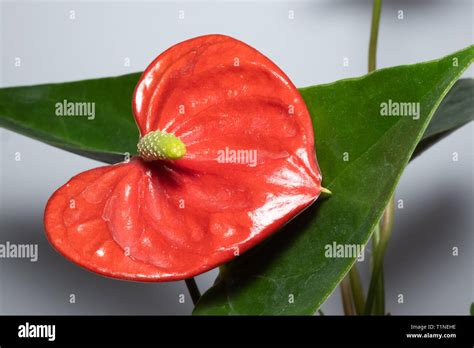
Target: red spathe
250, 166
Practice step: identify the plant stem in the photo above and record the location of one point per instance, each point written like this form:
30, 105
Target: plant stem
380, 298
357, 291
377, 289
347, 304
385, 225
353, 275
386, 222
351, 283
375, 248
374, 31
193, 290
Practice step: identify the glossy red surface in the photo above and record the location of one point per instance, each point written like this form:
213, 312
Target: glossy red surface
250, 166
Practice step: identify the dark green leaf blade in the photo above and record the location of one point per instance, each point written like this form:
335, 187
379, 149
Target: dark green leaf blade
455, 111
31, 111
290, 274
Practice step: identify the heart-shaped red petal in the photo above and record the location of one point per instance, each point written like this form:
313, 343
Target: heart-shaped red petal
250, 167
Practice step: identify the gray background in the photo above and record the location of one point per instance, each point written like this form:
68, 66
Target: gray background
437, 192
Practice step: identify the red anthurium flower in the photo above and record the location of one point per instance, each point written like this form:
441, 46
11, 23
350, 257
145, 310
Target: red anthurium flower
226, 157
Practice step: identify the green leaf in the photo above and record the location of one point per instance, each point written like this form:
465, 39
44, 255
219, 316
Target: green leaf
472, 308
290, 274
455, 111
106, 137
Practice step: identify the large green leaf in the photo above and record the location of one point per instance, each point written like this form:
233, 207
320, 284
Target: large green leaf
30, 110
289, 274
456, 110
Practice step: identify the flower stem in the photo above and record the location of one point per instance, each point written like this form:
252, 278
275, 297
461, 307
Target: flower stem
374, 32
386, 227
376, 287
381, 235
380, 298
353, 276
357, 291
379, 292
193, 290
347, 304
